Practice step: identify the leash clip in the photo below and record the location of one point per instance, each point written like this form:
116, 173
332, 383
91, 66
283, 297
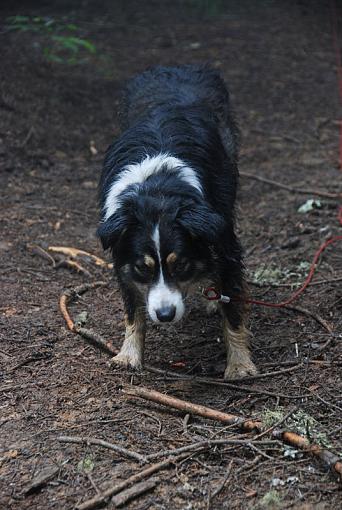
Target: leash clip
211, 294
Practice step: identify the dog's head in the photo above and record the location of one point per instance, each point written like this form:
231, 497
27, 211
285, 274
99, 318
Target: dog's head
161, 248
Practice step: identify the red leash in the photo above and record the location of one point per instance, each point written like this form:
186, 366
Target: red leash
210, 293
307, 280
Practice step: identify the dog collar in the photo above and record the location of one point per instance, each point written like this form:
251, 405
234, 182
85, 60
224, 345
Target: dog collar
211, 294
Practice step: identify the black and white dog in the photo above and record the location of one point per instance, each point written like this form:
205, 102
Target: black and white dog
167, 196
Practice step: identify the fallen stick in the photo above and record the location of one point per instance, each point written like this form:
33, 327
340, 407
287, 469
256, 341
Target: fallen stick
69, 295
104, 444
75, 252
56, 264
41, 479
96, 339
334, 462
291, 438
303, 191
191, 408
105, 496
132, 493
72, 264
38, 250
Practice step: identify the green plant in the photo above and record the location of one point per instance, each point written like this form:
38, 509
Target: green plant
300, 422
61, 42
271, 500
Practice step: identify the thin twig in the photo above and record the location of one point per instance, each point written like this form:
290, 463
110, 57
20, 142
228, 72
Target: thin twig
105, 496
303, 191
252, 446
255, 461
277, 424
27, 137
104, 444
309, 313
208, 443
223, 483
328, 404
38, 250
92, 483
30, 359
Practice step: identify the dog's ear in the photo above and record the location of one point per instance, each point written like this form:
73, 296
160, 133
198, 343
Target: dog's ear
202, 221
112, 229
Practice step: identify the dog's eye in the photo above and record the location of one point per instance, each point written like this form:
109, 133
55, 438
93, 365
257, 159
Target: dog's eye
182, 268
142, 269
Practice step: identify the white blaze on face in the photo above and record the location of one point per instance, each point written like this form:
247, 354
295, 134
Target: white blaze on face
161, 296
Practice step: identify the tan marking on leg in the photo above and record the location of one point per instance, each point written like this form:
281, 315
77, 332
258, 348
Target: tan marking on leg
239, 363
211, 308
171, 258
132, 350
149, 261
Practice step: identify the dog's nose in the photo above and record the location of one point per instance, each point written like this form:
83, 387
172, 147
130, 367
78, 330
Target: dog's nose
166, 314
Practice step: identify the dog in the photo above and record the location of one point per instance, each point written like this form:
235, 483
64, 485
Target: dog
167, 198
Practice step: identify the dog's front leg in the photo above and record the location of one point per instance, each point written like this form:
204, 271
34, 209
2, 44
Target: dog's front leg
239, 363
236, 334
132, 351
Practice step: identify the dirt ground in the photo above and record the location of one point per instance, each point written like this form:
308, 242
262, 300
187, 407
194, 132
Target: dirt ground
57, 119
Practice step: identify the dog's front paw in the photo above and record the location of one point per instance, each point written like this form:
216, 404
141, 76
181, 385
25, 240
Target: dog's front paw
126, 360
239, 368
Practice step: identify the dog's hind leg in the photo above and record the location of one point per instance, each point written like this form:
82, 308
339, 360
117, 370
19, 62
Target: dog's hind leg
132, 350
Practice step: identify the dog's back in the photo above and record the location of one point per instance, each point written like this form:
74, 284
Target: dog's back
189, 85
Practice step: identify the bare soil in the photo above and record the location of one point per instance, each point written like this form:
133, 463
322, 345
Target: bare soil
278, 59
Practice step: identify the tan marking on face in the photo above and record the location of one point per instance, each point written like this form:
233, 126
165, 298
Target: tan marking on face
149, 261
171, 258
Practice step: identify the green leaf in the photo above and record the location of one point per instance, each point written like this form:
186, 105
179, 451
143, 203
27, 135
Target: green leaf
86, 465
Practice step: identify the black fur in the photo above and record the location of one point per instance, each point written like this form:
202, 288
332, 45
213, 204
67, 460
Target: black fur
184, 112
